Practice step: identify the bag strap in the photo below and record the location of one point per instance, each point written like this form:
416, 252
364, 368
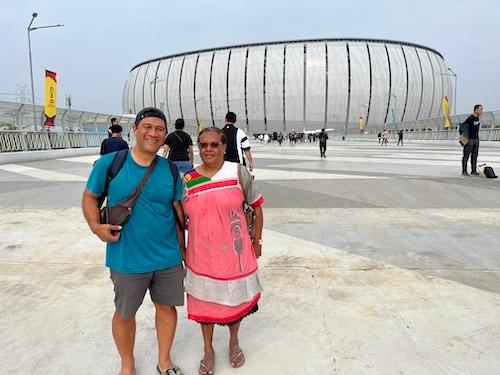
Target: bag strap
130, 201
114, 169
175, 176
245, 187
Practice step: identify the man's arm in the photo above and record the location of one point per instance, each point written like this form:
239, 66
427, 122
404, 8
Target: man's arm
180, 222
191, 155
103, 147
165, 151
106, 232
248, 155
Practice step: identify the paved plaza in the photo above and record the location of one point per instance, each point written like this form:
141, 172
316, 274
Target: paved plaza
378, 260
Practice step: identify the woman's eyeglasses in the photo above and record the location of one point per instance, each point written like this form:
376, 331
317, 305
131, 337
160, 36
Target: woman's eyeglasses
204, 145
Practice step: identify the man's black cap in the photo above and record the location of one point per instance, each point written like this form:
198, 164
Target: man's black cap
149, 112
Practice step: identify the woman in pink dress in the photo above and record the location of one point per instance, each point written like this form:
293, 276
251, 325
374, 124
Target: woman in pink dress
222, 283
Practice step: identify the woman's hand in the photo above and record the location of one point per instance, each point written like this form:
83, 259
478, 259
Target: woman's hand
257, 248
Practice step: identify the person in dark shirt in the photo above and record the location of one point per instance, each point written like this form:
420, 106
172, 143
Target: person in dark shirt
400, 137
179, 147
238, 145
115, 142
323, 136
471, 148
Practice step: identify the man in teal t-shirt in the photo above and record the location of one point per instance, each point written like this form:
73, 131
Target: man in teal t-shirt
144, 253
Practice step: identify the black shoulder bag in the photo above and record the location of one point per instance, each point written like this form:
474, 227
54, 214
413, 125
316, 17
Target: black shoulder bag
120, 213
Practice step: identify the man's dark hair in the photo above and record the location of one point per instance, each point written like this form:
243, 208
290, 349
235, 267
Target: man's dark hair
477, 106
179, 124
231, 117
115, 129
113, 119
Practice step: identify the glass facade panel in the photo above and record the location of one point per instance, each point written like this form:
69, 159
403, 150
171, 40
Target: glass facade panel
149, 83
139, 88
131, 88
173, 80
447, 83
428, 86
294, 87
315, 85
274, 87
187, 93
438, 80
414, 84
161, 86
337, 84
219, 93
202, 89
398, 83
360, 83
380, 84
255, 89
237, 85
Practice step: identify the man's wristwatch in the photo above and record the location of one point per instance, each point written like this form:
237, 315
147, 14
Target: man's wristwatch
259, 241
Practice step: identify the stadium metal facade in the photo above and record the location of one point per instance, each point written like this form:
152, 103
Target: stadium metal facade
302, 84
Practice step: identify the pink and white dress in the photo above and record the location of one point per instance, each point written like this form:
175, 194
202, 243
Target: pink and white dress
222, 283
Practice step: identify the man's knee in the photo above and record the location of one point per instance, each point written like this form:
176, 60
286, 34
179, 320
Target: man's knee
123, 319
165, 309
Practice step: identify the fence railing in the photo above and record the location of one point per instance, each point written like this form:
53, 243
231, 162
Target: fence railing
14, 140
435, 135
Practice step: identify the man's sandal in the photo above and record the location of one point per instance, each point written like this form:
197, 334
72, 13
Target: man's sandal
236, 357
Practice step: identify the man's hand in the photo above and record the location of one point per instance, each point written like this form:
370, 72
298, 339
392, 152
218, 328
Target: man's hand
107, 232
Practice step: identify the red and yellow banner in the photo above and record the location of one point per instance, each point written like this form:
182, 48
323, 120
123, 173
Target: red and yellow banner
50, 98
446, 112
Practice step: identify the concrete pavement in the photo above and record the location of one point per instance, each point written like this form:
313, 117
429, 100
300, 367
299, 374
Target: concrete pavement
376, 261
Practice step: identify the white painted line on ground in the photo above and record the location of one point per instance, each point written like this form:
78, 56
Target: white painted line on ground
272, 174
90, 159
41, 174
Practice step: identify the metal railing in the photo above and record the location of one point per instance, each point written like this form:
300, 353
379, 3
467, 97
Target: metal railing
19, 116
432, 135
14, 140
433, 129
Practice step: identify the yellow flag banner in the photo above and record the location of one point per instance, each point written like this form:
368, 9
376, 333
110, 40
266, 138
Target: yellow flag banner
446, 112
50, 98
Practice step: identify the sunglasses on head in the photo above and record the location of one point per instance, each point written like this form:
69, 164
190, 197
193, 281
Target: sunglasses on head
211, 144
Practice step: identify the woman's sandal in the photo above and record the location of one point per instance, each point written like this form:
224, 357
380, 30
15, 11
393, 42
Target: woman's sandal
236, 356
205, 369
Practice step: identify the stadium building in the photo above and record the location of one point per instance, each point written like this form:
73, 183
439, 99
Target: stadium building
301, 84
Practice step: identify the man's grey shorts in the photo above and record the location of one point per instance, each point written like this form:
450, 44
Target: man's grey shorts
165, 287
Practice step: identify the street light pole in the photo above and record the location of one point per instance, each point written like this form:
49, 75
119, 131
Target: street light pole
30, 29
31, 72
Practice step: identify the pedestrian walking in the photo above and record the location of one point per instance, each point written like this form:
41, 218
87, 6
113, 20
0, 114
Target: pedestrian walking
400, 137
178, 147
238, 145
323, 136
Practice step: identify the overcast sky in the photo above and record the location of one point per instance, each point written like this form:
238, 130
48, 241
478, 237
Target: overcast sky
102, 40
